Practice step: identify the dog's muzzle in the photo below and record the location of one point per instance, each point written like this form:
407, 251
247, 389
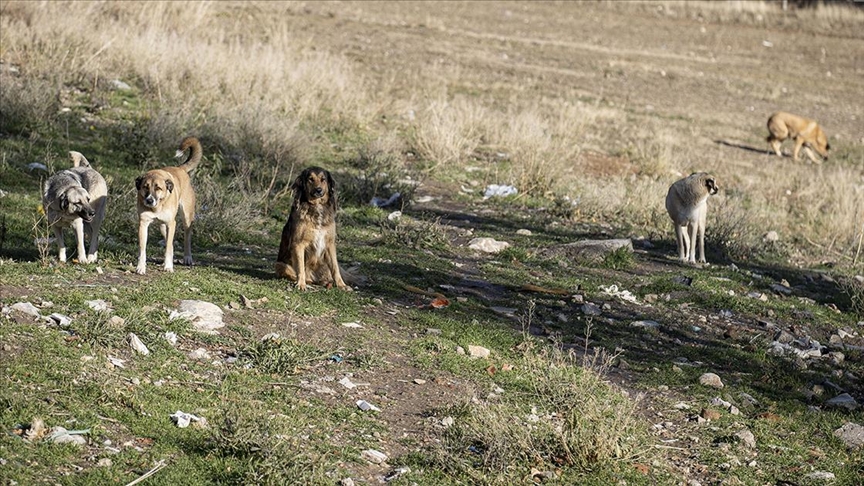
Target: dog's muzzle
87, 215
150, 201
318, 192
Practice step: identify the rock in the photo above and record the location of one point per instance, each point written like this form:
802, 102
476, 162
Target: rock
373, 456
711, 379
487, 245
836, 357
60, 435
645, 324
588, 250
590, 309
780, 289
843, 334
783, 337
771, 237
117, 321
460, 350
681, 406
523, 232
683, 280
478, 351
104, 462
820, 476
347, 383
60, 319
26, 308
120, 85
396, 473
203, 316
844, 400
851, 434
171, 337
719, 402
137, 345
199, 354
98, 305
747, 438
710, 414
346, 482
447, 421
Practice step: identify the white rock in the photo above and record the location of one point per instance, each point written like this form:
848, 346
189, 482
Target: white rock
199, 354
120, 85
447, 421
137, 344
524, 232
478, 351
771, 236
373, 456
36, 165
495, 190
347, 383
352, 325
203, 316
820, 476
183, 419
171, 338
98, 305
394, 216
26, 308
711, 379
487, 245
747, 438
851, 434
681, 406
645, 324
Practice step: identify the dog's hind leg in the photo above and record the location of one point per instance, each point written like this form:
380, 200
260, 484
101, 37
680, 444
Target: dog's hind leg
94, 227
188, 216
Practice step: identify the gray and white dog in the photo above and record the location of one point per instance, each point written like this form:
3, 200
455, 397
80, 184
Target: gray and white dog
76, 197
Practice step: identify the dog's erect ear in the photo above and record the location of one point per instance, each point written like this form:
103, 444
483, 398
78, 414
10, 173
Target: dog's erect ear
64, 202
169, 184
138, 182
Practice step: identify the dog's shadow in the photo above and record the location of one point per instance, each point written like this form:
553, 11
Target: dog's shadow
744, 147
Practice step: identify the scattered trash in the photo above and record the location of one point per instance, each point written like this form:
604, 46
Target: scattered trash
336, 358
495, 190
60, 319
394, 216
183, 419
120, 85
396, 473
373, 456
137, 345
366, 406
439, 303
36, 165
352, 325
117, 362
347, 383
625, 295
60, 435
448, 421
382, 203
767, 43
487, 245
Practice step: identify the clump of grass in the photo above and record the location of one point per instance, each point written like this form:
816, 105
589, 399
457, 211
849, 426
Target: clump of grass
27, 106
854, 289
620, 259
577, 421
378, 171
270, 447
280, 355
414, 233
96, 329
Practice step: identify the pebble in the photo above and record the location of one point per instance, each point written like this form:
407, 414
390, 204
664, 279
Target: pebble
820, 476
844, 400
711, 379
478, 351
487, 245
709, 414
373, 456
747, 438
199, 354
851, 434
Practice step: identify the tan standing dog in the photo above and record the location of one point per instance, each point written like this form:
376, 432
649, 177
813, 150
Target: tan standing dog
687, 204
161, 193
307, 251
76, 197
804, 132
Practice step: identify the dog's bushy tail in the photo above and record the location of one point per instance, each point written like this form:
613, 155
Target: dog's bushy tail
78, 159
284, 270
194, 147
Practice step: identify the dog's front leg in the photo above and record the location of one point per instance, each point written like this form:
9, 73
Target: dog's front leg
169, 245
334, 268
143, 225
299, 261
61, 244
78, 226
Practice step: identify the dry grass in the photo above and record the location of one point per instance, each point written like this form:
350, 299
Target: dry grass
236, 75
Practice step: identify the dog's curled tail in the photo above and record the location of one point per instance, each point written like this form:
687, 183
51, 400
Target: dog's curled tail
78, 159
194, 147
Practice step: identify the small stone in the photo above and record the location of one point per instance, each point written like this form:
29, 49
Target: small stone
710, 414
781, 289
820, 476
373, 456
104, 462
783, 337
433, 331
590, 309
346, 482
419, 381
137, 344
117, 321
203, 316
523, 232
460, 350
711, 379
447, 421
645, 324
734, 410
98, 305
681, 406
771, 237
199, 354
487, 245
747, 438
844, 400
851, 434
26, 308
478, 351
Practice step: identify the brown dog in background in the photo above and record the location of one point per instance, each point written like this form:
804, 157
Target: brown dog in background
161, 193
307, 252
805, 132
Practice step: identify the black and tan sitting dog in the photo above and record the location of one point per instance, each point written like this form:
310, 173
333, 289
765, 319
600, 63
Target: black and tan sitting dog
307, 252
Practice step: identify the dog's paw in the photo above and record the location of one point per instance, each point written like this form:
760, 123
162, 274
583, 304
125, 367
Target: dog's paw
92, 258
141, 269
344, 287
187, 261
169, 268
301, 286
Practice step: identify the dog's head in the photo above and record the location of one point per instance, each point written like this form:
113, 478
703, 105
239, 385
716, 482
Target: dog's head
822, 146
315, 186
75, 202
152, 188
711, 185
